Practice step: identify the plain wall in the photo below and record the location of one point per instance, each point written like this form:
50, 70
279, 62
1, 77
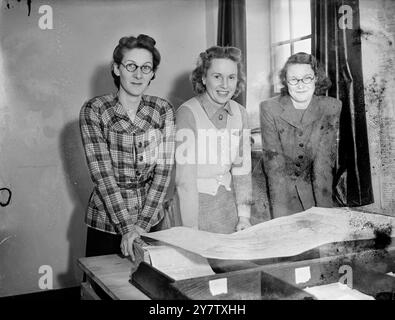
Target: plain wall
45, 77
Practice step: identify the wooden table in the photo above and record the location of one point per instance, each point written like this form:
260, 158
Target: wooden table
109, 276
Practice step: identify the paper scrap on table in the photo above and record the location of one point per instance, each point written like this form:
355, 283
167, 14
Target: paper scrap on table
177, 263
337, 291
218, 286
302, 275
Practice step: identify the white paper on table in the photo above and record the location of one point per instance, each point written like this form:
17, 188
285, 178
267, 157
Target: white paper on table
337, 291
302, 275
177, 263
218, 286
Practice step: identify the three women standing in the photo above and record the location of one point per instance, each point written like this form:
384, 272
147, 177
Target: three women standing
129, 145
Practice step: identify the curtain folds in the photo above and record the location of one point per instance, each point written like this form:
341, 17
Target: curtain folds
336, 43
232, 30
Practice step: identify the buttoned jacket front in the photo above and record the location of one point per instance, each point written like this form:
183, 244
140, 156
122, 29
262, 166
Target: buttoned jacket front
130, 162
299, 156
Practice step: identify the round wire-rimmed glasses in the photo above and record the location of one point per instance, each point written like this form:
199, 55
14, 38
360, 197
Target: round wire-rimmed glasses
131, 67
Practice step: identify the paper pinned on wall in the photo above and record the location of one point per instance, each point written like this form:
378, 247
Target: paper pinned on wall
177, 263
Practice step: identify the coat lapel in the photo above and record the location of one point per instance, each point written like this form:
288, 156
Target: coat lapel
121, 121
141, 121
143, 118
312, 113
289, 113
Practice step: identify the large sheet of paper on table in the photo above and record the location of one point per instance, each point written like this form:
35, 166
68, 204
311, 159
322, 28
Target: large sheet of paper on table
281, 237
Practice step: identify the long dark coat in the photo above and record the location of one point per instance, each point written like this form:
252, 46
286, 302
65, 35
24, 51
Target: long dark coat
299, 156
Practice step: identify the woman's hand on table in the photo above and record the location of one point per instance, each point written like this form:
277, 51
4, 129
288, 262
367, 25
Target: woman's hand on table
128, 240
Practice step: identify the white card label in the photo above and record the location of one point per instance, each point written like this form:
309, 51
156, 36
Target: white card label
302, 274
218, 286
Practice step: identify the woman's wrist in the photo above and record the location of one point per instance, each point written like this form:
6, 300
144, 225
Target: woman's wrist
139, 230
244, 219
244, 210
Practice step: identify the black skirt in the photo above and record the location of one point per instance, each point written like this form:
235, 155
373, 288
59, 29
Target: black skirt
99, 243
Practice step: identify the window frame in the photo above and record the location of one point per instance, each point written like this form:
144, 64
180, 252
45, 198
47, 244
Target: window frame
276, 87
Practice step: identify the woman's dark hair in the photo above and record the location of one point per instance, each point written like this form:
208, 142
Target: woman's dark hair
127, 43
322, 83
204, 63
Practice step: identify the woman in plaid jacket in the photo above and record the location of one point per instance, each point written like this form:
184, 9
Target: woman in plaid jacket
128, 139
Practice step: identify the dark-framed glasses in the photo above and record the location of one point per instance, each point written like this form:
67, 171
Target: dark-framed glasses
306, 80
131, 67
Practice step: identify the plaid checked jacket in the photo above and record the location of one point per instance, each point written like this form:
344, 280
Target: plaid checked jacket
130, 163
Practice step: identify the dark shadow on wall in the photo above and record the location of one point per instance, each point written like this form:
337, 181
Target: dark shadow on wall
79, 184
181, 90
79, 187
102, 81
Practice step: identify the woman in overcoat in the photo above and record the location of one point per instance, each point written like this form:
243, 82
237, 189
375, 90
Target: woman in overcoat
299, 138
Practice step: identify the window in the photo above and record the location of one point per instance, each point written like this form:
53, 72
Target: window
290, 32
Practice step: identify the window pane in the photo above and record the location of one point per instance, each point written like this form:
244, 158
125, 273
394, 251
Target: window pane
301, 18
302, 46
280, 20
281, 54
